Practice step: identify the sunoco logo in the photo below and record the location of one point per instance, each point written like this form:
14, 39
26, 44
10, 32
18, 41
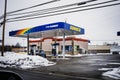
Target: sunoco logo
75, 28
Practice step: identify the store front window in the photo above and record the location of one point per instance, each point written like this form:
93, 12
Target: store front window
69, 48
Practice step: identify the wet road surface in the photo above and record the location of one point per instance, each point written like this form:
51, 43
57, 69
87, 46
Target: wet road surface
80, 68
86, 66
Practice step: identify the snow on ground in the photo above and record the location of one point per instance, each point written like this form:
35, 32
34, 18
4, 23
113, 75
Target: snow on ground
113, 73
69, 55
24, 61
80, 55
105, 69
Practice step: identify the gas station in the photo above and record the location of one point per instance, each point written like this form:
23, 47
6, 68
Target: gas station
57, 29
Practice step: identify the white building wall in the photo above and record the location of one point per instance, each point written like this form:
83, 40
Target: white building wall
47, 44
83, 45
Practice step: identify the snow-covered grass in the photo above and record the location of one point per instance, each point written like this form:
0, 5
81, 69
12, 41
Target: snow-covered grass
24, 61
113, 73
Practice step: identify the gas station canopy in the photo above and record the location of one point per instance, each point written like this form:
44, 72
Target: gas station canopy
48, 30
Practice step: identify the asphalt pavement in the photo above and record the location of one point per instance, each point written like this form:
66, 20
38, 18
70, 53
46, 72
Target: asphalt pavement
86, 67
80, 68
36, 75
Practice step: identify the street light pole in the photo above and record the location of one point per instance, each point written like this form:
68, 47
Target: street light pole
3, 33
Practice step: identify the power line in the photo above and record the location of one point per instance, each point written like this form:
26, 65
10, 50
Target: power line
66, 12
53, 8
48, 12
30, 7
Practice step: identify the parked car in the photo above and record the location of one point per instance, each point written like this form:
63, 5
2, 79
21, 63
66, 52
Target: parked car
41, 53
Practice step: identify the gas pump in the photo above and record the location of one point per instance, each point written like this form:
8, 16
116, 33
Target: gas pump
33, 50
55, 49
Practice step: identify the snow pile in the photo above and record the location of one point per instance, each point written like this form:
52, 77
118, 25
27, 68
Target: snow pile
114, 73
24, 61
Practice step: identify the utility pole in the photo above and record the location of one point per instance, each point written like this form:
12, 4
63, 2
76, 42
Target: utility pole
3, 33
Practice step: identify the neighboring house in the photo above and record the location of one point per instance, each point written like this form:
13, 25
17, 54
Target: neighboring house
20, 49
99, 49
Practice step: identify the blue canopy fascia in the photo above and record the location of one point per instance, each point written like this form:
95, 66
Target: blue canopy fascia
48, 30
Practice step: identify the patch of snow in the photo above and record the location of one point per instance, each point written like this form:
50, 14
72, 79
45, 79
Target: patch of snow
11, 59
105, 69
78, 55
68, 55
60, 58
114, 73
26, 67
103, 54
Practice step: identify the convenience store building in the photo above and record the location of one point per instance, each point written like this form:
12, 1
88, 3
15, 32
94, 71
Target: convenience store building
49, 37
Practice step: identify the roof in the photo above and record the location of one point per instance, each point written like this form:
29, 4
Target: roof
60, 39
48, 30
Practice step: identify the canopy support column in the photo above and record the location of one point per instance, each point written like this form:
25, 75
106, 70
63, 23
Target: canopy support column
41, 45
28, 44
63, 51
72, 46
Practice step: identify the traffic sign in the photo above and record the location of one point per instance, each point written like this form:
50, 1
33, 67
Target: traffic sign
0, 40
118, 33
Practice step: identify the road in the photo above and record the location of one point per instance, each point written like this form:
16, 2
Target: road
86, 66
81, 68
31, 75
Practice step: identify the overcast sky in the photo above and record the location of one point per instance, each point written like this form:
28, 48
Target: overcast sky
101, 25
